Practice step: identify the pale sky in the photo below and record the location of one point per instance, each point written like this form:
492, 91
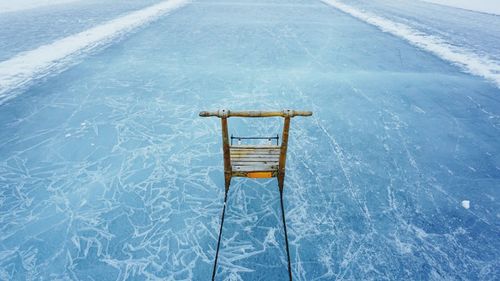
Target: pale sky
485, 6
10, 6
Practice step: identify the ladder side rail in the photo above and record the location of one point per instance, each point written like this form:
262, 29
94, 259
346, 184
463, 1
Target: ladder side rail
220, 235
281, 181
227, 153
283, 150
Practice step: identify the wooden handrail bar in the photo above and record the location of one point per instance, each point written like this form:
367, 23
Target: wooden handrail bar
224, 113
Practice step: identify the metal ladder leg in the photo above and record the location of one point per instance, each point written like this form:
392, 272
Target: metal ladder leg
284, 227
220, 234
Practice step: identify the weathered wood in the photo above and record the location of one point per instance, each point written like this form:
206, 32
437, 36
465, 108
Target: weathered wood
267, 155
226, 151
264, 152
256, 164
256, 153
284, 146
260, 175
250, 174
241, 160
252, 158
228, 113
261, 149
255, 146
255, 168
257, 150
249, 154
256, 160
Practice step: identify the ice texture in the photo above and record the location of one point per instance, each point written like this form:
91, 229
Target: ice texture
28, 29
29, 66
108, 173
468, 30
465, 58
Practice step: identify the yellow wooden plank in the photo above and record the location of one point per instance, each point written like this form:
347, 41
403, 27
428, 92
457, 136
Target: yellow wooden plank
260, 175
245, 174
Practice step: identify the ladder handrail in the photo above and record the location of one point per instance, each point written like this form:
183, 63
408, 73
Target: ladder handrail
224, 113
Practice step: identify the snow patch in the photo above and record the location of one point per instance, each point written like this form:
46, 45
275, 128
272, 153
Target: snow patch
466, 204
26, 67
466, 59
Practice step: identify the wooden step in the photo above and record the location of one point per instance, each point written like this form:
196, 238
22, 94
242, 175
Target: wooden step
255, 168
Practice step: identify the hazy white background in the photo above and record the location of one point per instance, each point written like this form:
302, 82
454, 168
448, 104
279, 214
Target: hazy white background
485, 6
10, 6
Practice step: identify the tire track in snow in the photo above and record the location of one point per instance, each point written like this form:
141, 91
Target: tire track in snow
466, 59
26, 67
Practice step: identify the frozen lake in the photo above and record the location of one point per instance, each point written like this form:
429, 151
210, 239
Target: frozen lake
108, 173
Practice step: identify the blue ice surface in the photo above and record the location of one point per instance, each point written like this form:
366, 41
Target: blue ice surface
470, 30
25, 30
108, 173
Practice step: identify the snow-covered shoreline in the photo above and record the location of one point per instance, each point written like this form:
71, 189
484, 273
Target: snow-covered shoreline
466, 59
31, 65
